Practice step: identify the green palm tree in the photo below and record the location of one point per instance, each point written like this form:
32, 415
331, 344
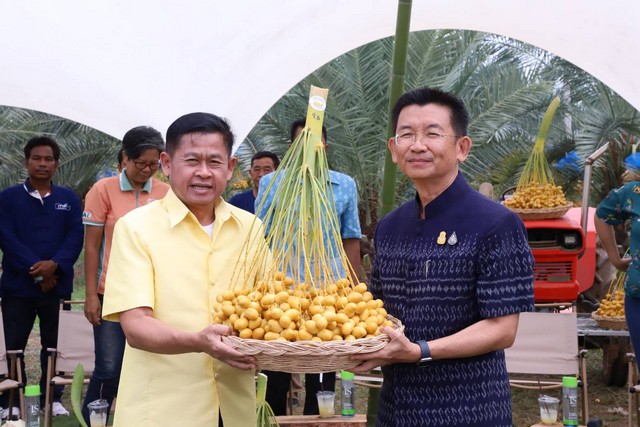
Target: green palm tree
606, 117
85, 151
504, 92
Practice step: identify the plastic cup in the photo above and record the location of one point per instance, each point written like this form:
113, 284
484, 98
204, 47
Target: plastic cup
548, 409
326, 401
98, 413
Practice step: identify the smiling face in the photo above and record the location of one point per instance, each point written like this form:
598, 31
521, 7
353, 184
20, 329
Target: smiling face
198, 172
429, 160
41, 164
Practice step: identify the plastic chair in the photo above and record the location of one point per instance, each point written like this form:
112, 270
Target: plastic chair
546, 347
75, 345
10, 373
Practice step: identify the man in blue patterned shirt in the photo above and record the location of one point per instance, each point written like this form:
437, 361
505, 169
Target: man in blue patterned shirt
345, 196
455, 267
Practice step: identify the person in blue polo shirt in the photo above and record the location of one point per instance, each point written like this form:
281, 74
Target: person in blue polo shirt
262, 163
41, 236
455, 267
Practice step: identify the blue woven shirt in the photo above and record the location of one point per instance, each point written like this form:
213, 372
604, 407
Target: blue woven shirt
468, 260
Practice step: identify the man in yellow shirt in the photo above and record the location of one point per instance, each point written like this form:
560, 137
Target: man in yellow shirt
169, 261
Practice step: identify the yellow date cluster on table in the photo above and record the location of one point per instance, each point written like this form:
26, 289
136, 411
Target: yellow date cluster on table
612, 305
287, 312
537, 196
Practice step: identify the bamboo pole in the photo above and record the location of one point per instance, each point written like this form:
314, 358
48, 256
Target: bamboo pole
400, 47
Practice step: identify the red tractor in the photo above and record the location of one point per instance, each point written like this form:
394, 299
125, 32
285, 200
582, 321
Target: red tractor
571, 270
566, 258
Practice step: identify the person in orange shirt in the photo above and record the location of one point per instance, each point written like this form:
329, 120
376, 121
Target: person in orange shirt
107, 201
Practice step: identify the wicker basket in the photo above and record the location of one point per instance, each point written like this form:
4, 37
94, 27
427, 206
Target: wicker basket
546, 213
308, 356
608, 322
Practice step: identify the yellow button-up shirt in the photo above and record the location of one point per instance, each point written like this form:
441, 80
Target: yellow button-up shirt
163, 259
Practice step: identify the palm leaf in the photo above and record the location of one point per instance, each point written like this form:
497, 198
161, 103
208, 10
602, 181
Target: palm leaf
76, 393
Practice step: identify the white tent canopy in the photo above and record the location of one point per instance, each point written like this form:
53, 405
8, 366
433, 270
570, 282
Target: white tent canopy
116, 64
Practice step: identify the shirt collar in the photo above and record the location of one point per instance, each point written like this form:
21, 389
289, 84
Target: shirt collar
125, 184
178, 211
446, 199
334, 177
33, 192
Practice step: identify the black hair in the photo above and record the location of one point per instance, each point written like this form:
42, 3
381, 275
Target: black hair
269, 154
301, 123
39, 141
120, 156
425, 95
198, 122
139, 139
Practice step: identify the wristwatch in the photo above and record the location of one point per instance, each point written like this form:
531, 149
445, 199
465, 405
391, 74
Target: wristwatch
425, 356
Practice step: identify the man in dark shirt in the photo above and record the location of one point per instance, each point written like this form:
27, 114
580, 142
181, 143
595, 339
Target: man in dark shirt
41, 237
262, 163
455, 267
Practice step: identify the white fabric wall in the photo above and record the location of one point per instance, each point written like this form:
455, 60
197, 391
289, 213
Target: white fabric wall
115, 64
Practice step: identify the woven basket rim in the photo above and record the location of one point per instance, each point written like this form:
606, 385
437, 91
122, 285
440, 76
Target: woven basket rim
620, 319
314, 345
609, 322
308, 356
544, 213
555, 209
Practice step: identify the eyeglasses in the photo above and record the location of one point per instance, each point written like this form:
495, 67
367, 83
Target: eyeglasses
410, 138
151, 165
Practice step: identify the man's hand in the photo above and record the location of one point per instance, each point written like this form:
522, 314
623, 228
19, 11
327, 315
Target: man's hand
212, 337
398, 350
147, 333
45, 269
48, 283
92, 309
